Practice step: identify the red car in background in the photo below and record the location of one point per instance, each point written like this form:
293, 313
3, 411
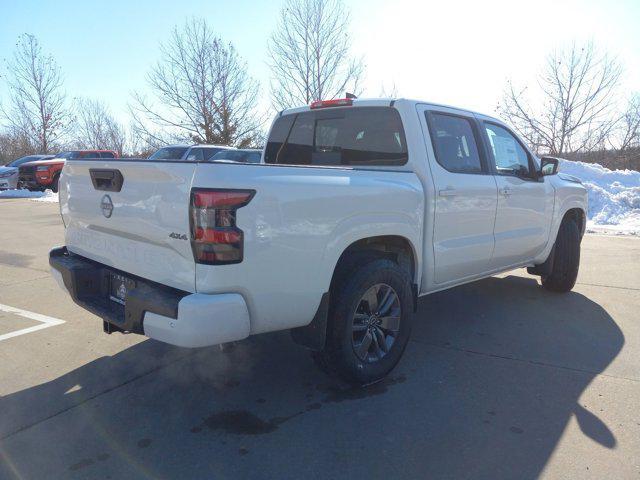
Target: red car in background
44, 174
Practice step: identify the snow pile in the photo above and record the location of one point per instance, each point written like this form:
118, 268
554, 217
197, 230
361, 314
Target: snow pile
46, 196
614, 196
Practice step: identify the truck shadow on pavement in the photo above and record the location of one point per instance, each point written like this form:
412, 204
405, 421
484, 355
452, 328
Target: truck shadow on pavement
493, 374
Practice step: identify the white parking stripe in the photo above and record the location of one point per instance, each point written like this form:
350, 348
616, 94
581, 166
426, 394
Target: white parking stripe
45, 322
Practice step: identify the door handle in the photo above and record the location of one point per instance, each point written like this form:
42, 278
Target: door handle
447, 192
506, 191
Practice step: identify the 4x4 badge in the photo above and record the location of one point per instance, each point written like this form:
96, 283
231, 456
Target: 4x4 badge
178, 236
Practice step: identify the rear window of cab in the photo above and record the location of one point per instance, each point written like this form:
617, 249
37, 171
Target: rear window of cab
366, 136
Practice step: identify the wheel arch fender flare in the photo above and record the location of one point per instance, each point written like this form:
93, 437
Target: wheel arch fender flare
396, 226
570, 204
313, 335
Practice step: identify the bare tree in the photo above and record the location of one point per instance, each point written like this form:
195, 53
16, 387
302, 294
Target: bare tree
309, 54
37, 104
95, 127
139, 144
630, 125
202, 92
577, 99
13, 144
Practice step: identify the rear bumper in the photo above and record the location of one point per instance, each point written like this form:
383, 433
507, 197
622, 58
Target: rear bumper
157, 311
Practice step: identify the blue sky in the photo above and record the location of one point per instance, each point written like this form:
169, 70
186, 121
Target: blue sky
456, 52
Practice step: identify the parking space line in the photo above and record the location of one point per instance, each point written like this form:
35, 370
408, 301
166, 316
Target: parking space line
45, 321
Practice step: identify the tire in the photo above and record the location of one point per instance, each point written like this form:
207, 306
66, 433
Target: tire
366, 351
54, 184
566, 259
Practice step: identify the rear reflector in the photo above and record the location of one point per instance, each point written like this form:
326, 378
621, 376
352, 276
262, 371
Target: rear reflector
215, 237
338, 102
211, 235
221, 198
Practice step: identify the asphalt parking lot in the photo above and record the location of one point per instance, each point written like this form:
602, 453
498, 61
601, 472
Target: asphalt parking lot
501, 380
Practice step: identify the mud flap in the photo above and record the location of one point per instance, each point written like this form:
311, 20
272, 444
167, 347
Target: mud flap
314, 335
544, 269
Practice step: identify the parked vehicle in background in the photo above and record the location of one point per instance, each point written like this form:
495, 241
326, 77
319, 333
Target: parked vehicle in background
360, 207
190, 153
9, 172
45, 174
245, 155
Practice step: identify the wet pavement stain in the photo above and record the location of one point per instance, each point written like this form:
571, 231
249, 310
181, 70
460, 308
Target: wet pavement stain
15, 259
337, 393
239, 422
85, 462
144, 443
244, 422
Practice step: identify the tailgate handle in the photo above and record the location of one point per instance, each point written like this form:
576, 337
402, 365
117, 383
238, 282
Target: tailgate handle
107, 180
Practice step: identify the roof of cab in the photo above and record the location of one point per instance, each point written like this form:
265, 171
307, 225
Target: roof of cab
384, 102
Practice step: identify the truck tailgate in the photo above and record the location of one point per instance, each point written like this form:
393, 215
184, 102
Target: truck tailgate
143, 229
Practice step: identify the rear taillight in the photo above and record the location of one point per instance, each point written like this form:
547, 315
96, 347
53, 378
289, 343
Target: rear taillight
215, 238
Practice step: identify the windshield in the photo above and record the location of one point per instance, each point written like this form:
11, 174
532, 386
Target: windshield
169, 153
247, 156
20, 161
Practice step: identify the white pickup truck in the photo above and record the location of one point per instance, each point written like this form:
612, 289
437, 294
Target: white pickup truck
358, 208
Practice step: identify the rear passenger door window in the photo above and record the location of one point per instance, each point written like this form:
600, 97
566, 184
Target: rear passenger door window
454, 142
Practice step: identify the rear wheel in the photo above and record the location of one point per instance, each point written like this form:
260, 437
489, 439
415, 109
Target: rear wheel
566, 259
54, 184
370, 321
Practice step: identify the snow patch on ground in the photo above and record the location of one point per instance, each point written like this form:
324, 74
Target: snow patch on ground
614, 197
46, 196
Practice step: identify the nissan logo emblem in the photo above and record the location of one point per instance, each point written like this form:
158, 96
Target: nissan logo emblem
106, 205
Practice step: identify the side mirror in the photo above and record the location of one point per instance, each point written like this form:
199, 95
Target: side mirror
548, 166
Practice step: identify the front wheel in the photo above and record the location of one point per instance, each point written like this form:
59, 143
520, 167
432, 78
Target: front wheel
566, 259
370, 321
